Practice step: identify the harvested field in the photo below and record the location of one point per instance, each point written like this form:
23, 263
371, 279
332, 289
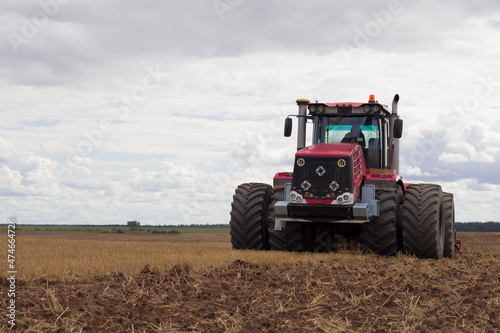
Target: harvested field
201, 285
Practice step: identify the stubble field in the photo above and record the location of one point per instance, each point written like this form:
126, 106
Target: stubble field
89, 282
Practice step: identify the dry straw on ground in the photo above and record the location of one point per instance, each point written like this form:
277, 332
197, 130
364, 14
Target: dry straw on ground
178, 284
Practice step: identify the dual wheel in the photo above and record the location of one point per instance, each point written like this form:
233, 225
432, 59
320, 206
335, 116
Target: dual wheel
428, 222
423, 226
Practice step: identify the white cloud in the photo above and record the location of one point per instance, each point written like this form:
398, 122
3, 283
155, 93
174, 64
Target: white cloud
453, 158
169, 176
24, 172
11, 181
469, 196
482, 157
410, 171
8, 152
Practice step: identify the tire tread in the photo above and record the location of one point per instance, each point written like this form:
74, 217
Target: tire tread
248, 224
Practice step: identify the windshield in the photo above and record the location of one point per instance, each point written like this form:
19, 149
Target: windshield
363, 130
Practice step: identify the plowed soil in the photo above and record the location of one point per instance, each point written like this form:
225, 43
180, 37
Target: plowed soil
338, 294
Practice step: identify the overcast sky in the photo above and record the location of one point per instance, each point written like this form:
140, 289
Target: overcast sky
156, 110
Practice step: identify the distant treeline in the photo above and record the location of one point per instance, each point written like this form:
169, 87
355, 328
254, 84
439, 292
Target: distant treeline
477, 226
459, 226
221, 225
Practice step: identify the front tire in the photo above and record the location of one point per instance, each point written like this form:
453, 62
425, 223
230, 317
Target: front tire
290, 237
381, 234
423, 221
249, 216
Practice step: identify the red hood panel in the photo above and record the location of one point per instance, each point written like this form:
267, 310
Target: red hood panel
330, 149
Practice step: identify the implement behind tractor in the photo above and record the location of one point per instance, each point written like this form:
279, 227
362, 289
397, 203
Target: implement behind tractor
345, 185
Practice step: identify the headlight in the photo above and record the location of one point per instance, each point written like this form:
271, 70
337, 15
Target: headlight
296, 198
344, 199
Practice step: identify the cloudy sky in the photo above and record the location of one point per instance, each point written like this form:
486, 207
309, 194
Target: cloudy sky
156, 110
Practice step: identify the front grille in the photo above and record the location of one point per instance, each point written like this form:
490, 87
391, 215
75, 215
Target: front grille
314, 176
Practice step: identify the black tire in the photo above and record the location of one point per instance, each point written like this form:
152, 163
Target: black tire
292, 237
249, 216
325, 238
423, 221
449, 225
399, 219
289, 238
381, 234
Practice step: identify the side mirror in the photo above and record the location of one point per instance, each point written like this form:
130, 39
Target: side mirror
288, 127
398, 128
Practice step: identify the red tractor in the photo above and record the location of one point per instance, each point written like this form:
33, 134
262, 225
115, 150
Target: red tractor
345, 186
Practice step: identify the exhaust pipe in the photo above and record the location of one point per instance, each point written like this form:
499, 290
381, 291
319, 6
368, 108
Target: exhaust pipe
301, 129
395, 104
395, 128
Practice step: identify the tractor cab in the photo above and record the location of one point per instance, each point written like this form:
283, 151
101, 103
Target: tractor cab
372, 125
369, 131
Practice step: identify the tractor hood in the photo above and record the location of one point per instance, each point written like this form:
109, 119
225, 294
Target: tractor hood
330, 150
327, 174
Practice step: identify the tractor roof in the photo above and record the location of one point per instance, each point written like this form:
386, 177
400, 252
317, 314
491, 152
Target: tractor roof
348, 108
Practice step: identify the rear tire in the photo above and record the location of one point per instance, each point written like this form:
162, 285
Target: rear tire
292, 237
381, 234
249, 216
423, 221
449, 225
